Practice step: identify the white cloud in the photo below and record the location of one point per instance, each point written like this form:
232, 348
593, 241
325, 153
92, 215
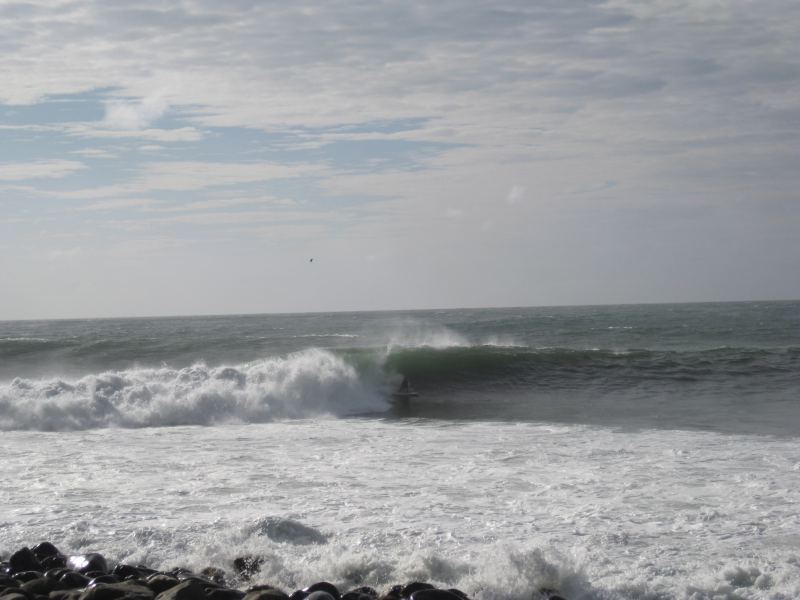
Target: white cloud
118, 203
196, 175
41, 169
177, 134
516, 194
132, 114
94, 153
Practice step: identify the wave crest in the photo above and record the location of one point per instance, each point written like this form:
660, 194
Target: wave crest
313, 382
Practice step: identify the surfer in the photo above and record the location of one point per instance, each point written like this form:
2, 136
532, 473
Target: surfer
404, 386
405, 391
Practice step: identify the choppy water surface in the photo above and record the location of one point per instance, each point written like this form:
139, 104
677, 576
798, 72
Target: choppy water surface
612, 452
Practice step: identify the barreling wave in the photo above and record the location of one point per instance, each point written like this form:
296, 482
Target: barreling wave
563, 368
309, 383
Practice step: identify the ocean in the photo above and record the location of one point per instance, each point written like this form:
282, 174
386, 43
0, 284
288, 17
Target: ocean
635, 452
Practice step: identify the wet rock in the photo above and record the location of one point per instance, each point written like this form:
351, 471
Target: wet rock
102, 578
414, 586
266, 592
214, 574
393, 593
434, 594
186, 590
54, 562
117, 591
24, 560
65, 595
363, 591
17, 591
44, 550
549, 594
72, 580
56, 573
323, 586
247, 566
42, 585
289, 531
123, 572
224, 594
319, 595
88, 563
160, 582
24, 576
14, 596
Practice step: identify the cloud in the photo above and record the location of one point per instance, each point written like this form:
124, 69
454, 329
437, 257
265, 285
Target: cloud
41, 169
176, 134
516, 194
134, 114
118, 203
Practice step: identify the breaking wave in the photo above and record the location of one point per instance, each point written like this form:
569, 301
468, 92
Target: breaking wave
309, 383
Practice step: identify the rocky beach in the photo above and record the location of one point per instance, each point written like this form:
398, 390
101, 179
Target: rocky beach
44, 573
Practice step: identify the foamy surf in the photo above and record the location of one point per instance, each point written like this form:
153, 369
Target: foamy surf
313, 382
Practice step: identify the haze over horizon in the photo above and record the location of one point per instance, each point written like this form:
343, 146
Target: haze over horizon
191, 158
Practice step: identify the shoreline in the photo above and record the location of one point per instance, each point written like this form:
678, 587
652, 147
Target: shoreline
44, 573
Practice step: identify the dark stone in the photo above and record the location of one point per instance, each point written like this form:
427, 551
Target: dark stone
17, 591
186, 590
65, 595
88, 563
414, 586
266, 593
298, 595
103, 578
115, 591
319, 595
214, 574
550, 594
6, 581
14, 596
45, 549
160, 582
42, 585
24, 560
24, 576
323, 586
393, 593
123, 572
224, 594
73, 580
54, 562
434, 594
247, 566
364, 591
56, 573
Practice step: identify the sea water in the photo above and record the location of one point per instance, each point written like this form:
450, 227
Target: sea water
608, 452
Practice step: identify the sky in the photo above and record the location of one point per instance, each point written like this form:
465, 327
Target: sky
194, 156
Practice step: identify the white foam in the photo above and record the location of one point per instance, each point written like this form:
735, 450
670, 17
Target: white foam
498, 510
308, 383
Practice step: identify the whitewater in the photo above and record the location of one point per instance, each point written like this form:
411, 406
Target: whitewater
607, 452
